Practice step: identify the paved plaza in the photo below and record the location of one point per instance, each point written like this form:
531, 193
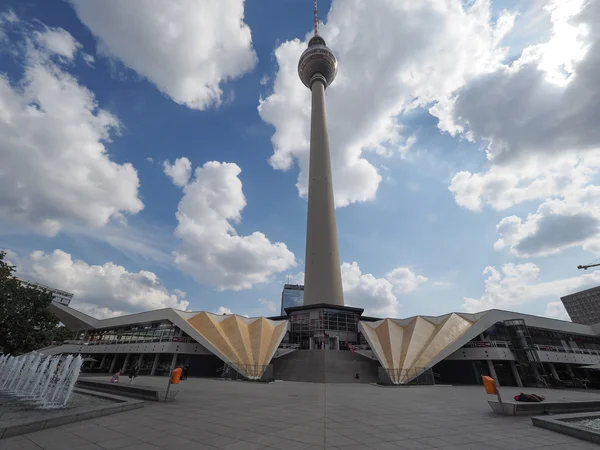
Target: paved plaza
213, 414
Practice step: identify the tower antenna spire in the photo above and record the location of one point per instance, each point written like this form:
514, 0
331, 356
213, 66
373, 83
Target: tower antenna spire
316, 19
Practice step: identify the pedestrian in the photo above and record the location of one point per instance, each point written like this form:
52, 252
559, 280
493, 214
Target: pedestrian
185, 371
115, 377
133, 374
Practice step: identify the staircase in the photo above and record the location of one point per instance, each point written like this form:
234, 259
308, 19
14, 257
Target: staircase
330, 366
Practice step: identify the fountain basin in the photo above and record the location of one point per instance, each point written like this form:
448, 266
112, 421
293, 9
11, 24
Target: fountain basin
17, 418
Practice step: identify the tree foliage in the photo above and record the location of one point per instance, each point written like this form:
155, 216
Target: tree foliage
26, 322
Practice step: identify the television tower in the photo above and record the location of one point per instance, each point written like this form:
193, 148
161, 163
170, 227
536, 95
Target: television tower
317, 69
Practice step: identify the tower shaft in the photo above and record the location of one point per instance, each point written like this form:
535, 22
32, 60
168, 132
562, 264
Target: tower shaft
322, 278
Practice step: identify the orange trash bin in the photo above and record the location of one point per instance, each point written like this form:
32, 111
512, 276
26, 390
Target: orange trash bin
489, 384
176, 375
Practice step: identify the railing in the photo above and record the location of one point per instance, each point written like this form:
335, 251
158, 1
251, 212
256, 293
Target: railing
561, 349
487, 344
542, 348
362, 347
286, 345
415, 376
140, 341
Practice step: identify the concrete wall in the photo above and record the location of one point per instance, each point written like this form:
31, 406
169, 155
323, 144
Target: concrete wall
505, 354
493, 353
330, 366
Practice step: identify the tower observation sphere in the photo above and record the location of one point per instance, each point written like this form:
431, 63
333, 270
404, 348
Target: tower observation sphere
317, 59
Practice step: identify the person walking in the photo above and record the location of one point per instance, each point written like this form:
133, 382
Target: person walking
185, 372
134, 373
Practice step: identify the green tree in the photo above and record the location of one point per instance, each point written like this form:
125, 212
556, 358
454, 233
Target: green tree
26, 322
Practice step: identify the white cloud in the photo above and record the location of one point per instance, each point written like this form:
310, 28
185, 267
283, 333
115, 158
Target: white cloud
518, 284
211, 250
180, 172
405, 279
7, 17
187, 48
373, 294
55, 169
557, 225
58, 41
556, 310
103, 290
297, 278
264, 80
376, 295
532, 178
88, 59
270, 305
223, 310
414, 53
535, 115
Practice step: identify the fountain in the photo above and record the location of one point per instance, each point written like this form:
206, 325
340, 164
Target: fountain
43, 382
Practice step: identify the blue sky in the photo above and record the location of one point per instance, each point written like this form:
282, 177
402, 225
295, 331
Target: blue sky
424, 93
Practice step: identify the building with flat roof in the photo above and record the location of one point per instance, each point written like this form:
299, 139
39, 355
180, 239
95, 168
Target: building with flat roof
329, 343
60, 296
584, 306
292, 295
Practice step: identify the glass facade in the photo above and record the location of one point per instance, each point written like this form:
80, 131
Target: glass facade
292, 295
142, 333
314, 328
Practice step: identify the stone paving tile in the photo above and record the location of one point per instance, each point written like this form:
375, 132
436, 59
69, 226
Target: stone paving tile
118, 443
432, 441
393, 445
413, 445
286, 444
510, 443
18, 444
141, 446
211, 414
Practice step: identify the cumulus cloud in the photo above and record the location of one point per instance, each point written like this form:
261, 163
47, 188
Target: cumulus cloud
556, 310
414, 53
558, 224
211, 251
373, 294
55, 169
517, 284
378, 296
58, 41
102, 291
187, 48
536, 117
180, 172
223, 310
269, 305
405, 279
541, 102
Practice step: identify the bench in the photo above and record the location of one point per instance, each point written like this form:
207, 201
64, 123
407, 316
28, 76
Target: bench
513, 408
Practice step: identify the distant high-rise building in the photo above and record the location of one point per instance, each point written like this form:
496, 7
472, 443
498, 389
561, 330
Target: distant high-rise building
292, 295
584, 306
62, 297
